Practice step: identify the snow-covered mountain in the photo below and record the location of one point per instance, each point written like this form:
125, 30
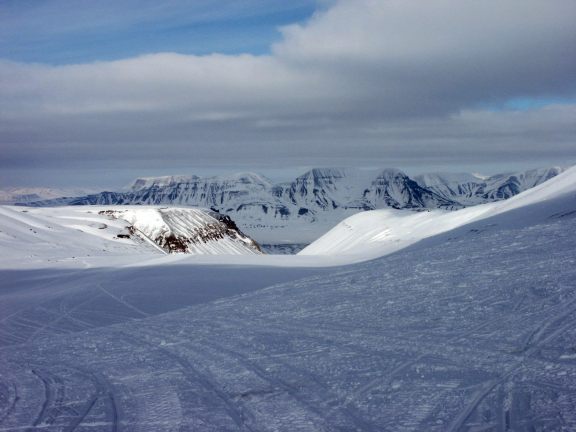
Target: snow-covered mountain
296, 212
393, 188
470, 189
67, 234
299, 211
148, 182
225, 193
375, 233
325, 189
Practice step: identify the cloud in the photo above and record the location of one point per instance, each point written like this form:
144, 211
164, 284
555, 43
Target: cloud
362, 80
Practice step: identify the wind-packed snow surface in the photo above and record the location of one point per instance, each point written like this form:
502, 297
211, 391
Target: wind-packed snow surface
471, 329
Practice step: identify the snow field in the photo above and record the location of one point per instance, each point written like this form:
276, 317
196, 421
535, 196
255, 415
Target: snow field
468, 325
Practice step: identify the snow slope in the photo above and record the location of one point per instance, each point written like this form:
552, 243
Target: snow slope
91, 235
470, 330
379, 232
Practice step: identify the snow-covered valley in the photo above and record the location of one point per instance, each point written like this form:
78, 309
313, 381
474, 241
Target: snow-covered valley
289, 215
441, 320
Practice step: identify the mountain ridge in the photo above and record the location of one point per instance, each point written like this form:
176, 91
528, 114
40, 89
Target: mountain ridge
301, 210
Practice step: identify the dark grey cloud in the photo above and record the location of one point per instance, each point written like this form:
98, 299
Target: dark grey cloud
364, 80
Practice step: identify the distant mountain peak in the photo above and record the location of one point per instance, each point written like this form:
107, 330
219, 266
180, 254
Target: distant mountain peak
392, 172
393, 188
472, 189
245, 177
160, 181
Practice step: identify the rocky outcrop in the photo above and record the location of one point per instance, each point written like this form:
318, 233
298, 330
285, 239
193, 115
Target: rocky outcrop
186, 230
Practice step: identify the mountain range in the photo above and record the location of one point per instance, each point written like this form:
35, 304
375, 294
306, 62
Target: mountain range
299, 211
470, 189
27, 195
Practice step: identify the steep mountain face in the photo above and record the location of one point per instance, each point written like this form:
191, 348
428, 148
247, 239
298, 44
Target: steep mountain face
298, 212
226, 193
393, 188
461, 187
469, 189
325, 189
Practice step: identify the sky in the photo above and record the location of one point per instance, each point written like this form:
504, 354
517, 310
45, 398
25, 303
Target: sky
96, 93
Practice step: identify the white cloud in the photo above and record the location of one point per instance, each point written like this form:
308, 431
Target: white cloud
364, 78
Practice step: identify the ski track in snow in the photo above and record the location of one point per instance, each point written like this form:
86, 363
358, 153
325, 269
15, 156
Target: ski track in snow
476, 333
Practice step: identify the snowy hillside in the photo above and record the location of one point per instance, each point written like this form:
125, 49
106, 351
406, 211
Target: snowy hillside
378, 232
472, 329
285, 216
41, 236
